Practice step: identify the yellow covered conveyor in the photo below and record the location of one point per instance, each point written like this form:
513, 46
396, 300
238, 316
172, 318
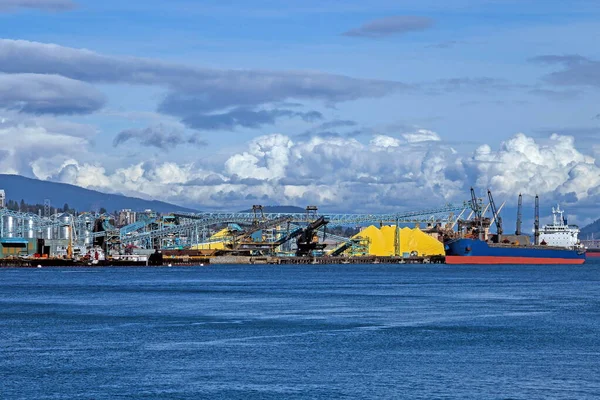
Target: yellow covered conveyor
381, 241
215, 242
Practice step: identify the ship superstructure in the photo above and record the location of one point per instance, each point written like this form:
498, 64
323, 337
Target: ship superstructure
559, 233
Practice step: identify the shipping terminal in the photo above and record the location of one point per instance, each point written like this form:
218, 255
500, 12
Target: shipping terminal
452, 234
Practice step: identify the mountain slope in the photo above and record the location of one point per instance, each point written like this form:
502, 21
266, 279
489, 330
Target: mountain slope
591, 229
34, 191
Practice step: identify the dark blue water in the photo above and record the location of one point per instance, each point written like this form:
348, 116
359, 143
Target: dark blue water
284, 332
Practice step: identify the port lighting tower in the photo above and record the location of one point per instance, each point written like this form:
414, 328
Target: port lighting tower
47, 208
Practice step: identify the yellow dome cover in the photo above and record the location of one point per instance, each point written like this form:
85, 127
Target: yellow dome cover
411, 240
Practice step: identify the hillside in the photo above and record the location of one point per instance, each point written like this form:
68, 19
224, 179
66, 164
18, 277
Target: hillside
34, 191
591, 229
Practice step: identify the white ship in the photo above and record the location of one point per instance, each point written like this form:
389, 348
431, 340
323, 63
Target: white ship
559, 233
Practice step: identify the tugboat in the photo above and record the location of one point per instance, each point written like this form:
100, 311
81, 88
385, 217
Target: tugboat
556, 243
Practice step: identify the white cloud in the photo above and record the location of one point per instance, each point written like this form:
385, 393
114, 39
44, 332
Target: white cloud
525, 165
418, 136
266, 158
385, 141
421, 135
344, 174
28, 146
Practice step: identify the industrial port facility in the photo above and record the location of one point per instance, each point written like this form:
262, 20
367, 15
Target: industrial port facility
129, 237
256, 236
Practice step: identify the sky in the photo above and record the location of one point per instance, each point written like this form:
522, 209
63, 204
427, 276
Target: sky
353, 106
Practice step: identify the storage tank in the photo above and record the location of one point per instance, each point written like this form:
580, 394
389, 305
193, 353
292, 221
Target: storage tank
30, 234
48, 233
9, 226
88, 226
65, 222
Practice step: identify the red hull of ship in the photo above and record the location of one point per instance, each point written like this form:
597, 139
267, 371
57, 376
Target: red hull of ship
593, 254
511, 260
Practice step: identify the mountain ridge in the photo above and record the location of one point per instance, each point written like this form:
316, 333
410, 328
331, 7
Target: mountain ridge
592, 229
34, 191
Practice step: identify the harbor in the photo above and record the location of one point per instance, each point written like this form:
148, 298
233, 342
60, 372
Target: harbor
453, 233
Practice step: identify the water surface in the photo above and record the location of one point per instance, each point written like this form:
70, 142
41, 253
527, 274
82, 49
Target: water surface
285, 332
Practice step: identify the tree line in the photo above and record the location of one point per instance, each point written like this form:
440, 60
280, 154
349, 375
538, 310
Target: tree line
22, 206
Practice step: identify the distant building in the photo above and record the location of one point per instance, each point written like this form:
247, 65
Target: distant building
126, 217
146, 215
2, 198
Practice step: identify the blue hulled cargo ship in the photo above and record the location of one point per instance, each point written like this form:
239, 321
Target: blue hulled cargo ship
555, 243
475, 251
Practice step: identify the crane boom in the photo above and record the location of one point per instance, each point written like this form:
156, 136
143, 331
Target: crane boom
475, 204
497, 219
499, 211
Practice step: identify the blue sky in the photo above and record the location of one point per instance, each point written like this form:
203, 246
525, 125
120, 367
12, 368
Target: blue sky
351, 105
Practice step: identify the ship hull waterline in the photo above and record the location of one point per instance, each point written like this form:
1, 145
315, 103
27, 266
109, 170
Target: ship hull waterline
473, 251
490, 260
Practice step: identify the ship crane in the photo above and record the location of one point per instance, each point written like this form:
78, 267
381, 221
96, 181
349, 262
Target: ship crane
519, 215
536, 225
475, 206
497, 219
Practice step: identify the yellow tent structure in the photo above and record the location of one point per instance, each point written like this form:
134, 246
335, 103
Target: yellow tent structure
382, 241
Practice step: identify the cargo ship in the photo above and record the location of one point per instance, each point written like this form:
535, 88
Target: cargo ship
555, 243
475, 251
593, 252
592, 248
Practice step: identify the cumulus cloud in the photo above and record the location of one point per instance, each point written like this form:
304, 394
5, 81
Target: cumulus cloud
149, 180
396, 25
416, 137
421, 135
159, 136
46, 5
525, 165
48, 94
193, 93
267, 158
411, 170
29, 144
335, 172
385, 141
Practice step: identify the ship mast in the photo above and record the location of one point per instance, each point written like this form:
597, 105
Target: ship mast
537, 221
519, 215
